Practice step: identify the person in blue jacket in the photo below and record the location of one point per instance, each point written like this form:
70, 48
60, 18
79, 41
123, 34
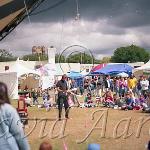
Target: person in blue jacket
11, 130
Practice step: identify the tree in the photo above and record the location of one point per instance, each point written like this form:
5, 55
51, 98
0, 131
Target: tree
130, 54
35, 57
6, 56
106, 60
59, 58
81, 58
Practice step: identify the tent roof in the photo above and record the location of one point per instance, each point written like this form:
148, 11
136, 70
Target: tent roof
21, 70
98, 67
144, 67
84, 73
123, 74
74, 75
114, 69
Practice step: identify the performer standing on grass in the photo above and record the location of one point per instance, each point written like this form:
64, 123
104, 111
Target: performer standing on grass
62, 96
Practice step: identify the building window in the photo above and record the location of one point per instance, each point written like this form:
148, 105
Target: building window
6, 68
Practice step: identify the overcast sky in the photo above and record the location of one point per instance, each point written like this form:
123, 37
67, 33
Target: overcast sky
104, 25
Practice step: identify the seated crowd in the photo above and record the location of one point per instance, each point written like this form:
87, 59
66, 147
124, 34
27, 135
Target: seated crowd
120, 93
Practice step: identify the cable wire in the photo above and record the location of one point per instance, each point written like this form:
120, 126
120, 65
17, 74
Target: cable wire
48, 8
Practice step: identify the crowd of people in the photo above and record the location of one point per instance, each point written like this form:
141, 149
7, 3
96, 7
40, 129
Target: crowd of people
118, 92
125, 93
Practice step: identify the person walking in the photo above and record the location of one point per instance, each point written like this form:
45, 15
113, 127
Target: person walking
11, 129
62, 96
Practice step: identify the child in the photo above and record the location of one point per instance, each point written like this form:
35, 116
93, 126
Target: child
117, 101
46, 100
108, 100
35, 96
146, 108
122, 86
45, 146
70, 99
98, 100
140, 102
28, 100
45, 95
136, 104
128, 102
88, 100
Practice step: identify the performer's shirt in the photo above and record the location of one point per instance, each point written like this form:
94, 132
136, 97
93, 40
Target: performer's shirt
62, 84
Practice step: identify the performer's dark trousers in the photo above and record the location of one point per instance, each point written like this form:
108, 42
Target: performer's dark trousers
63, 100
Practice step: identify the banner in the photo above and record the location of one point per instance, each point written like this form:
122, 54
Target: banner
47, 82
48, 75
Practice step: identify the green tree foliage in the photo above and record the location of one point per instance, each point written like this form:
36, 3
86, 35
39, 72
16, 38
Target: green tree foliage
81, 58
35, 57
130, 54
59, 58
6, 56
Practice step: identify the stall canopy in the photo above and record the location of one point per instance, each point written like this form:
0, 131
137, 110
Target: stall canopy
78, 77
74, 75
123, 74
114, 69
100, 66
84, 73
144, 67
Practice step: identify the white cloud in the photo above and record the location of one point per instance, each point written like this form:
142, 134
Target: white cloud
100, 36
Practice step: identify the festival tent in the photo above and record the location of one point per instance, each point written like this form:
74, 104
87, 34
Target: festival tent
78, 77
141, 70
11, 77
84, 73
114, 69
123, 74
143, 67
100, 66
21, 70
74, 75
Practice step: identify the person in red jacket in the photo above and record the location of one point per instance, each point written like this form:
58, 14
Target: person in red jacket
108, 100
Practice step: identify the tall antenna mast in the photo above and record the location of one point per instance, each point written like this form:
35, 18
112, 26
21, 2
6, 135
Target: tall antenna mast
77, 11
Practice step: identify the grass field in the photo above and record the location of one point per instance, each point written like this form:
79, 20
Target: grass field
81, 123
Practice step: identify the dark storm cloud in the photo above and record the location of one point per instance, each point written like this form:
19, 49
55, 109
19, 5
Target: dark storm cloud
123, 13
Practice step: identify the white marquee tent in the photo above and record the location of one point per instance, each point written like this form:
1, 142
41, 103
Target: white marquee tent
143, 67
10, 78
21, 70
